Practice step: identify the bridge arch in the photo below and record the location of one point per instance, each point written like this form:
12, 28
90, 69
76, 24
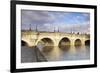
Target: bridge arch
87, 43
45, 41
24, 43
45, 44
78, 42
64, 43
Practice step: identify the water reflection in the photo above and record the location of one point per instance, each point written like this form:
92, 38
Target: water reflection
66, 52
47, 49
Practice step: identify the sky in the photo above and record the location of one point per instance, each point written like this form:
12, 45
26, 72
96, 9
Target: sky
55, 20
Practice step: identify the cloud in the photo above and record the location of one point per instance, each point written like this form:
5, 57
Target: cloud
35, 17
76, 28
48, 20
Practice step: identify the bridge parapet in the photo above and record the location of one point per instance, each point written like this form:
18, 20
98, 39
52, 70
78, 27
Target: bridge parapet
34, 37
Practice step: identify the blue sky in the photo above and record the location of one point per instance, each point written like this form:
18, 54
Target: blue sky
48, 20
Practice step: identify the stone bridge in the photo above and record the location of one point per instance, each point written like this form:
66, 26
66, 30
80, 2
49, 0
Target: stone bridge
32, 38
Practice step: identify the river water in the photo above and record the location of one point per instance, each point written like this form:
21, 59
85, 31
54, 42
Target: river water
42, 54
66, 53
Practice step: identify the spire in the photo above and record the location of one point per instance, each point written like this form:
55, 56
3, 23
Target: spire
30, 27
36, 28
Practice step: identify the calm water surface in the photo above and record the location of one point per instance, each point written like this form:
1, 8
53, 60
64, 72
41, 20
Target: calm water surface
65, 53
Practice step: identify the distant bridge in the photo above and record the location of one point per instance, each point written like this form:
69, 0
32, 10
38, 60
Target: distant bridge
32, 38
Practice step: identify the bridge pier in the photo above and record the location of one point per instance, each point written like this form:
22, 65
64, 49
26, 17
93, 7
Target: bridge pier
72, 42
83, 41
56, 42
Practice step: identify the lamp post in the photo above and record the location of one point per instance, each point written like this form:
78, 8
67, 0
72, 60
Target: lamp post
58, 29
54, 29
36, 28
